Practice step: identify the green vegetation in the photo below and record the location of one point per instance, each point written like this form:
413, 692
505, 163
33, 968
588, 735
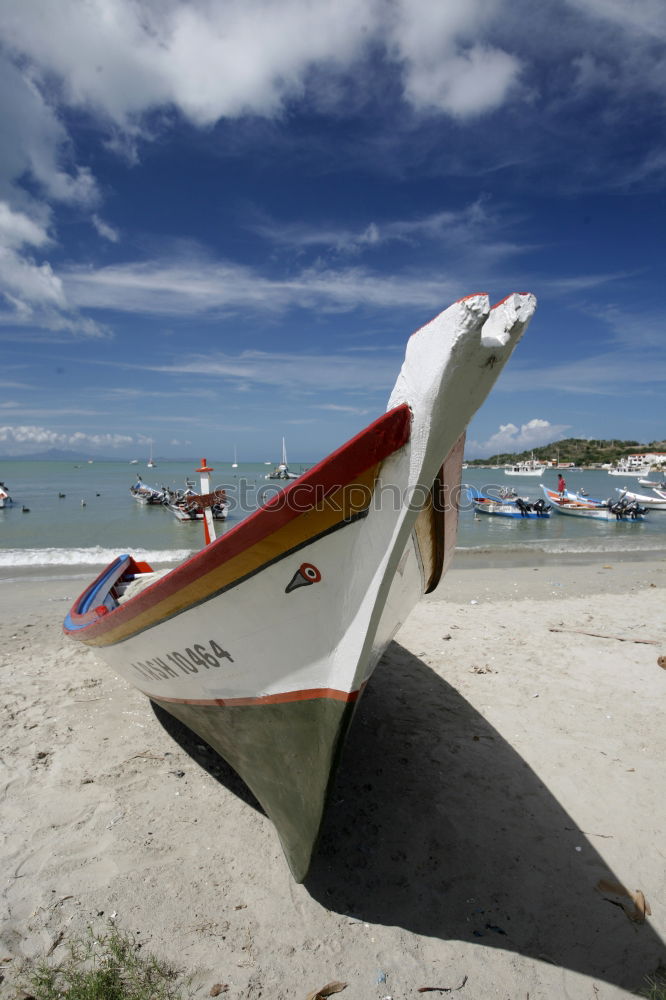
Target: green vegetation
656, 985
580, 451
111, 966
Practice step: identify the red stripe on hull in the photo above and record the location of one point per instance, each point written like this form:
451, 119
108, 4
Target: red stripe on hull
270, 699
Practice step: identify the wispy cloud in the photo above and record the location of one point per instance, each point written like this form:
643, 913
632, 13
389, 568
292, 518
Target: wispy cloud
106, 231
296, 372
337, 408
183, 287
449, 227
620, 374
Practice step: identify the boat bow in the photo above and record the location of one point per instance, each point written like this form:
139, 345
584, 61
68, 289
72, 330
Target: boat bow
263, 641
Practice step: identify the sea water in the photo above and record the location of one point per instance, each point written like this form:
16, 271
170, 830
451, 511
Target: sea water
45, 534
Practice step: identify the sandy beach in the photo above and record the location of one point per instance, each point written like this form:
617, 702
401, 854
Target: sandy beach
507, 756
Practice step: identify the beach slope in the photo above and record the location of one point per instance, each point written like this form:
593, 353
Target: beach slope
505, 765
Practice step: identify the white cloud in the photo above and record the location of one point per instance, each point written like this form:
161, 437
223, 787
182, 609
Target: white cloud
17, 229
212, 60
446, 66
29, 438
106, 231
27, 284
32, 290
510, 438
34, 140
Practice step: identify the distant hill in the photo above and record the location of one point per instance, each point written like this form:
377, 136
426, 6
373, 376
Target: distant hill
580, 451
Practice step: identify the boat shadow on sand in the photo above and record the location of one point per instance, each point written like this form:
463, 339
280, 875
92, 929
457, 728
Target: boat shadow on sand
438, 826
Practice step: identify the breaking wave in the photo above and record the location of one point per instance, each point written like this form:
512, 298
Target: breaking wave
573, 546
93, 556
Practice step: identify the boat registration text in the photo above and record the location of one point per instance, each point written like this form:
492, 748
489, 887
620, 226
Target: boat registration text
200, 656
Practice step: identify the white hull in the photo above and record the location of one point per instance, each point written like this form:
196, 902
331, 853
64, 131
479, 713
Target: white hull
652, 503
591, 513
579, 508
263, 641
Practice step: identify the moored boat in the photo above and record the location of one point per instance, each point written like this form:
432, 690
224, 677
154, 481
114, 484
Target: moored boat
188, 505
529, 468
515, 507
147, 495
281, 470
627, 468
192, 506
618, 510
324, 574
651, 502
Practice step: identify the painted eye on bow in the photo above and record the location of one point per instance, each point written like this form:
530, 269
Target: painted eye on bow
305, 575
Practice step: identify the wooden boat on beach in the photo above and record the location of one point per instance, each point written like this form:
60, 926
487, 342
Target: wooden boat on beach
323, 575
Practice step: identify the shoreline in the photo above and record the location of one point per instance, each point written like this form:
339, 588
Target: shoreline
465, 558
478, 575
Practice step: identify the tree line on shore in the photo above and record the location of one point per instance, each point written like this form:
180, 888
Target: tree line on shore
579, 451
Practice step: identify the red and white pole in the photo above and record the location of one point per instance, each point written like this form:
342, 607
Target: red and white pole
209, 526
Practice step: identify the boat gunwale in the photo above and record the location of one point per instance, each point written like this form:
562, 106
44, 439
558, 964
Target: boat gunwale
376, 442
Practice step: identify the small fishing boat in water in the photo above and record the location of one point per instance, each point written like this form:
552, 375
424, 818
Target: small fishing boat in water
5, 498
147, 495
508, 506
609, 510
192, 506
324, 573
655, 502
188, 505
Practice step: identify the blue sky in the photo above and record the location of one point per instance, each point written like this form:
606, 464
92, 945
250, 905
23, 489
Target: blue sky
220, 221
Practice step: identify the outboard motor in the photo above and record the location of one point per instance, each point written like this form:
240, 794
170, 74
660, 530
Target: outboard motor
523, 506
619, 508
541, 508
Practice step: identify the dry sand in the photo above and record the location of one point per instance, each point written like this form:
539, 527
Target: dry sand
496, 770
